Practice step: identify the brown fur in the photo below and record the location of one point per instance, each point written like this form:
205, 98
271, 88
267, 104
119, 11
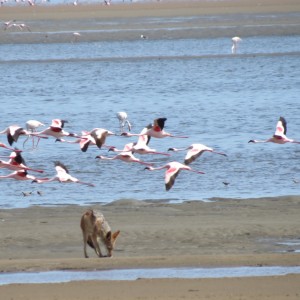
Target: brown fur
94, 229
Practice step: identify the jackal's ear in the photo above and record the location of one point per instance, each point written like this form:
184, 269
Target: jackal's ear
115, 234
108, 236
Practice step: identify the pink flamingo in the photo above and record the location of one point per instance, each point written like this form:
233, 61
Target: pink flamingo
280, 135
19, 175
99, 135
156, 130
84, 141
14, 131
126, 156
173, 169
56, 129
17, 162
62, 175
194, 151
6, 147
141, 146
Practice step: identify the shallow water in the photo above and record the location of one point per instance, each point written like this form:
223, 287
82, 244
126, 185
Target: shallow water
134, 274
205, 92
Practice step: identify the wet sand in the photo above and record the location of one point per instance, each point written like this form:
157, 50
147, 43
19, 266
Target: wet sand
156, 20
196, 234
221, 233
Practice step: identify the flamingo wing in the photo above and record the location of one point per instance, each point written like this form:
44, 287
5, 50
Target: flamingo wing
170, 176
159, 124
281, 127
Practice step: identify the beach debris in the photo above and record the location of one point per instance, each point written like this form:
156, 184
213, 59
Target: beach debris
26, 194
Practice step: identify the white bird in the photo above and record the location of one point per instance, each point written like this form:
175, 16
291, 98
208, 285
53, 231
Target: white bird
194, 151
62, 175
173, 169
32, 126
123, 120
76, 36
235, 41
279, 136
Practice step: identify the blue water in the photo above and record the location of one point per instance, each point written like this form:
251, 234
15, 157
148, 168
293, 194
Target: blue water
134, 274
216, 98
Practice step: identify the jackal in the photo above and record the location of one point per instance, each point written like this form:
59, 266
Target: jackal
95, 229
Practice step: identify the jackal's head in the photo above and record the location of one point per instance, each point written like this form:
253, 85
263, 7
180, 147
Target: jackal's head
110, 241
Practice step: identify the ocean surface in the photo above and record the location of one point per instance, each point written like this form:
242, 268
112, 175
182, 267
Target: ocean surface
205, 92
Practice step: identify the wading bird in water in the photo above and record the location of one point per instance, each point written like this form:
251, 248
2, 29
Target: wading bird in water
194, 151
123, 120
155, 130
32, 126
235, 42
62, 175
173, 169
280, 135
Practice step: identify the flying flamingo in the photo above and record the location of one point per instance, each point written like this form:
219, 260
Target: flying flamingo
280, 135
19, 175
84, 141
56, 129
156, 130
17, 162
32, 126
173, 169
99, 135
6, 147
14, 131
126, 156
235, 41
21, 26
123, 120
62, 175
141, 146
194, 151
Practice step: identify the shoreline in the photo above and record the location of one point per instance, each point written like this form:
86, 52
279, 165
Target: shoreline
228, 232
157, 20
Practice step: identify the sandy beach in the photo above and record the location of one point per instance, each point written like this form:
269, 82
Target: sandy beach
225, 232
192, 234
156, 19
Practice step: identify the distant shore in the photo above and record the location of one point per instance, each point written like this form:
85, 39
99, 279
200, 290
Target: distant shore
193, 234
128, 21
